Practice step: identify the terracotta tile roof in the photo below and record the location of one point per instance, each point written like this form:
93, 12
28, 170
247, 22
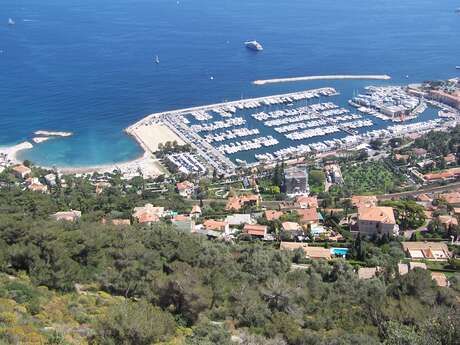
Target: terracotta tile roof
308, 215
237, 202
181, 218
446, 174
426, 250
146, 217
38, 187
255, 229
307, 201
273, 215
377, 214
310, 252
291, 226
448, 220
216, 225
424, 197
451, 198
364, 200
184, 185
148, 213
22, 169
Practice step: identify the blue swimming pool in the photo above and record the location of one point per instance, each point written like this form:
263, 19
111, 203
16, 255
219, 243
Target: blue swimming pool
339, 251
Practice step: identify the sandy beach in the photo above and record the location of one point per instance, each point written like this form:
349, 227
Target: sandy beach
11, 151
148, 165
151, 135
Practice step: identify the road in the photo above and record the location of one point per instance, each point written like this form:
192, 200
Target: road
445, 188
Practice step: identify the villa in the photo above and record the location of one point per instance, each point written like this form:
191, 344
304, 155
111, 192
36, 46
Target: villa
21, 171
148, 214
435, 251
377, 221
236, 203
360, 201
310, 252
67, 216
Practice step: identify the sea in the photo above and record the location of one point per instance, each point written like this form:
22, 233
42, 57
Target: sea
88, 66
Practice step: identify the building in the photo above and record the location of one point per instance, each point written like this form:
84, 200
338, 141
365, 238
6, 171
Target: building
50, 180
296, 181
67, 216
273, 215
256, 230
435, 251
303, 201
291, 226
236, 203
377, 221
216, 225
367, 272
185, 189
452, 198
308, 215
21, 171
196, 212
443, 175
239, 219
148, 214
118, 221
38, 187
451, 99
447, 221
310, 252
360, 201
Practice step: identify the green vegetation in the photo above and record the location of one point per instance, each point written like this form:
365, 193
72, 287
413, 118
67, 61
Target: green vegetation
369, 178
408, 214
316, 180
155, 285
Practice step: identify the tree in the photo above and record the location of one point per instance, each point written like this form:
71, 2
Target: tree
134, 323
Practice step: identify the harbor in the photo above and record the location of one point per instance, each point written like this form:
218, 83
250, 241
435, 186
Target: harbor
276, 127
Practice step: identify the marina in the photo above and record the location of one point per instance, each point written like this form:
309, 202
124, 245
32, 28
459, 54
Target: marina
280, 126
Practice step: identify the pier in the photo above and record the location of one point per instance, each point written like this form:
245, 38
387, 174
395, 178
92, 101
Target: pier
322, 77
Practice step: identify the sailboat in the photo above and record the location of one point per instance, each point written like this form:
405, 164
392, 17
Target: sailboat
157, 59
11, 21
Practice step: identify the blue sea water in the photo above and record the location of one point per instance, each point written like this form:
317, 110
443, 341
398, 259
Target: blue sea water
87, 66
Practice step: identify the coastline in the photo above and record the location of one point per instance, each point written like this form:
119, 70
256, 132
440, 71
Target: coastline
147, 164
11, 152
321, 77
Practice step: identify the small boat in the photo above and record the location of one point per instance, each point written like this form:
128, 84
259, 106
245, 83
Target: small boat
253, 45
11, 21
457, 10
157, 59
457, 67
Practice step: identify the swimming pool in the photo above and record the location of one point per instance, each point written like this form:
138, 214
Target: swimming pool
339, 251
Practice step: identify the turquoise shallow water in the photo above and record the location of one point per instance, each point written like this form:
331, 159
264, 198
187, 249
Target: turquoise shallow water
87, 67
